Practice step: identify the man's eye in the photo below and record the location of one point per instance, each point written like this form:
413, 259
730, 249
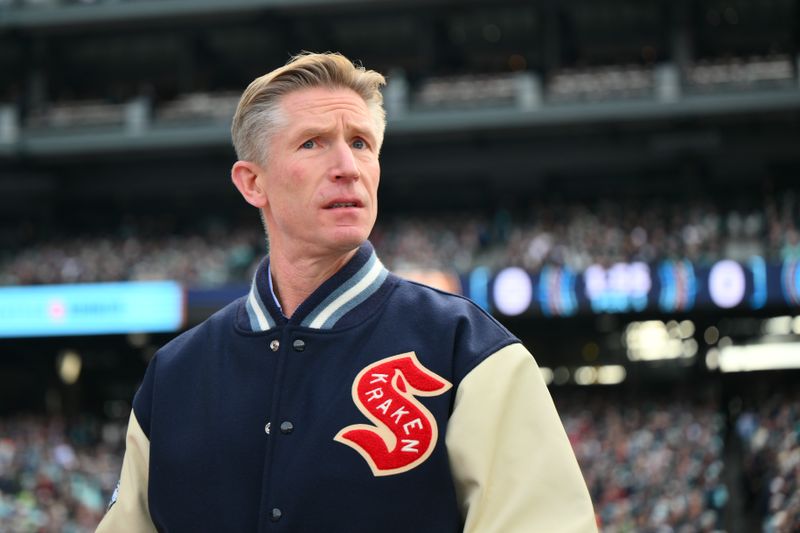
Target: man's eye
360, 144
308, 144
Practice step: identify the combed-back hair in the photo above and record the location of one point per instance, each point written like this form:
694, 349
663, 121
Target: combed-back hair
259, 114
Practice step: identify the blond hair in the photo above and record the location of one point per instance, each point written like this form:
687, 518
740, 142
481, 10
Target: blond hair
259, 114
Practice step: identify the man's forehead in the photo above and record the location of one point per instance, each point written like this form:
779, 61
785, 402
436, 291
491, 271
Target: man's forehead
320, 101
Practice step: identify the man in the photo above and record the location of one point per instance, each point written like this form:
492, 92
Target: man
335, 396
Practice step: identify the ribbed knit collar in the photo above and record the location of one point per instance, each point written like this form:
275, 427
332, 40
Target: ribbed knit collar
342, 293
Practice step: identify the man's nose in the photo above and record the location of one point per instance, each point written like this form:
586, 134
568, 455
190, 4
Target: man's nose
344, 163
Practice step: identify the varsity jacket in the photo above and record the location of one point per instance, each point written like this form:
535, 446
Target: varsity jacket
380, 405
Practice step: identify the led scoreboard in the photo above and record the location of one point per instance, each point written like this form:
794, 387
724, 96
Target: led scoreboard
669, 286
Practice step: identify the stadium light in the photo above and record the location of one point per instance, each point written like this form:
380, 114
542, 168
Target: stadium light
771, 356
611, 374
712, 359
69, 365
653, 340
561, 375
547, 374
711, 335
585, 375
686, 328
779, 325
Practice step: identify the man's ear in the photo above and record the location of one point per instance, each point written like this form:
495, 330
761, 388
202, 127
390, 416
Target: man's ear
244, 175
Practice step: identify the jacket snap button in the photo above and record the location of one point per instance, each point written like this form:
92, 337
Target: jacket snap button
274, 345
299, 345
275, 514
287, 427
266, 428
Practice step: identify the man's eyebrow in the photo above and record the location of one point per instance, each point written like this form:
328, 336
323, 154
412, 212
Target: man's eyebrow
309, 132
363, 128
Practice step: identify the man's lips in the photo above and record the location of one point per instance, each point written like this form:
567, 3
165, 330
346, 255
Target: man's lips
341, 203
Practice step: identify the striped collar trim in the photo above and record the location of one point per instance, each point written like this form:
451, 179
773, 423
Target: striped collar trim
350, 294
359, 279
257, 312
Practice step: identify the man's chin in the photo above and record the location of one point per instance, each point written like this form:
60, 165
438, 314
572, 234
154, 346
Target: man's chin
348, 245
346, 241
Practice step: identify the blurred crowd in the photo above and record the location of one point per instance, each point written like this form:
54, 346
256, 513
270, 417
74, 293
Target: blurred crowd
57, 477
211, 254
650, 466
770, 434
579, 234
572, 234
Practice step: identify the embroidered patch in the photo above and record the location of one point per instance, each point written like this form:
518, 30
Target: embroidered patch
114, 497
404, 431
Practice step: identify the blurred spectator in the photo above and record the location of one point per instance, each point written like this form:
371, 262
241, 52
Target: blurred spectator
650, 466
57, 477
771, 437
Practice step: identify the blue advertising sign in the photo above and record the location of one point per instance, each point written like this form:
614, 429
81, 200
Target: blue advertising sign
91, 308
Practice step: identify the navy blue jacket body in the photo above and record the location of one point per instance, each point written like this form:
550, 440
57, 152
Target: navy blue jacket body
241, 411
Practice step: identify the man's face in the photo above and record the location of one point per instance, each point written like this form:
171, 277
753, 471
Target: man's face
321, 175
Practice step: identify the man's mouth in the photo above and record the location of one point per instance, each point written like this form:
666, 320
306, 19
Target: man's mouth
338, 205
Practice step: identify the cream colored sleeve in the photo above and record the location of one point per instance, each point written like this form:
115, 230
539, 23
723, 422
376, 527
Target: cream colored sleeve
130, 513
512, 463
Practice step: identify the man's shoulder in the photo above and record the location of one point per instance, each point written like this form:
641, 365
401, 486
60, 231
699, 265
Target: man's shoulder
443, 308
450, 320
428, 298
211, 331
184, 358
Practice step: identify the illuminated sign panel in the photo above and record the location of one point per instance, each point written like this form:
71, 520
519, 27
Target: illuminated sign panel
557, 296
513, 291
672, 286
623, 287
91, 309
677, 286
726, 284
790, 282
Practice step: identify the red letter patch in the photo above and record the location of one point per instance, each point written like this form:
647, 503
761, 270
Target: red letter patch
405, 432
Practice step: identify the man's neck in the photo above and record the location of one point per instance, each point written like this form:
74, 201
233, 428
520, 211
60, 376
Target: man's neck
295, 277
